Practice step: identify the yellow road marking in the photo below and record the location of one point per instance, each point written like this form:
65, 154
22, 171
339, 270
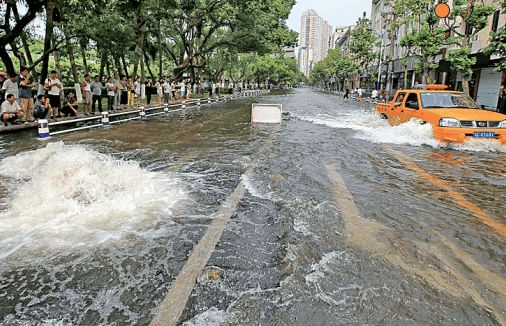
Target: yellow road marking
180, 290
377, 238
456, 196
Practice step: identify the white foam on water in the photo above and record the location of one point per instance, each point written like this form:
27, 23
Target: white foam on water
63, 196
211, 317
371, 127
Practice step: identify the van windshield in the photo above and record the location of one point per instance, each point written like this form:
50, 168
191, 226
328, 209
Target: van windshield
447, 100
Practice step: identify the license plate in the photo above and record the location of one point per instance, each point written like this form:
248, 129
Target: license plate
484, 135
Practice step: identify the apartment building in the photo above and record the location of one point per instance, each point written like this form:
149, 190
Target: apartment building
486, 85
314, 41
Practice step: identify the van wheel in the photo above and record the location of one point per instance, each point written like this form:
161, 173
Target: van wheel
384, 117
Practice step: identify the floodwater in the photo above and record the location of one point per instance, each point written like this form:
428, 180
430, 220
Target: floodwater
345, 220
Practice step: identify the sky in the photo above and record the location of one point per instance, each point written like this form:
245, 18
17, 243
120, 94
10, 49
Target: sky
336, 12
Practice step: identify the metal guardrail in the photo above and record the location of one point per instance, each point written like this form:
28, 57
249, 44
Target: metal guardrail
44, 125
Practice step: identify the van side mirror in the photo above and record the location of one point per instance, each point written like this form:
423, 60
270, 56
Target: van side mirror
483, 106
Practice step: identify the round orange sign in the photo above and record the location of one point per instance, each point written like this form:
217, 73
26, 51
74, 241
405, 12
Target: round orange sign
442, 10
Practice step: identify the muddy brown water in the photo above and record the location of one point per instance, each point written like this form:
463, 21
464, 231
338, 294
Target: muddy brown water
337, 225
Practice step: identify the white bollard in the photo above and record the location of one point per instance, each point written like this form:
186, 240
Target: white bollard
105, 118
166, 108
198, 103
183, 104
208, 100
43, 127
142, 113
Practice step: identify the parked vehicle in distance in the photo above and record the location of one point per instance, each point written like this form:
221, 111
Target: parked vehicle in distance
454, 116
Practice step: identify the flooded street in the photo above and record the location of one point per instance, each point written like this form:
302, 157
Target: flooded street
343, 220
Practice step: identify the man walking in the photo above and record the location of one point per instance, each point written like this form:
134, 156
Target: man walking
96, 89
25, 94
54, 85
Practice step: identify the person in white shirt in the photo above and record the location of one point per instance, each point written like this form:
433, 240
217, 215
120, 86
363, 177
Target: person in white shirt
54, 87
374, 94
159, 91
11, 86
87, 95
182, 90
167, 91
11, 111
360, 91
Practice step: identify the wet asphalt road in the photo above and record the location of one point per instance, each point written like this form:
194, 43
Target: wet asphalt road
344, 221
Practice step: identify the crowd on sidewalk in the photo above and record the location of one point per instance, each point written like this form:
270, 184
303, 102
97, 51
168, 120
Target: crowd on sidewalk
18, 104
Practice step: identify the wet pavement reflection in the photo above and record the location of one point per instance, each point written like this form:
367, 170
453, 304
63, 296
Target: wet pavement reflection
345, 220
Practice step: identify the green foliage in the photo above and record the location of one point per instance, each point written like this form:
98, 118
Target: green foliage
277, 70
363, 40
461, 61
497, 44
335, 64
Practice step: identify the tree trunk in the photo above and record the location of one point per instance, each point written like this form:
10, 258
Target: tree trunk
24, 41
119, 67
83, 43
108, 67
125, 66
56, 57
159, 39
103, 59
72, 60
146, 59
47, 44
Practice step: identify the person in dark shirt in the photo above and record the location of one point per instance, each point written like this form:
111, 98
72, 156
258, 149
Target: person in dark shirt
41, 109
70, 106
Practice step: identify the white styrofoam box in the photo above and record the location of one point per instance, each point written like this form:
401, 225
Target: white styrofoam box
266, 113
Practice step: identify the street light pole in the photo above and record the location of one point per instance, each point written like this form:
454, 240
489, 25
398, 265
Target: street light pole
378, 87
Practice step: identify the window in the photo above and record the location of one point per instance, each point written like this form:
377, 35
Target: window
495, 20
400, 98
447, 100
412, 102
469, 29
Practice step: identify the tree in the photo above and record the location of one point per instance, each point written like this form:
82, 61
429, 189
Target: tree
467, 18
8, 33
363, 40
497, 44
426, 40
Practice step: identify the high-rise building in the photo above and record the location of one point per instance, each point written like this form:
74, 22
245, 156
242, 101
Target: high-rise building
314, 40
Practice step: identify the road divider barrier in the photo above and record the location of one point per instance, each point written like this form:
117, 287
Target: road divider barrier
43, 127
140, 113
105, 118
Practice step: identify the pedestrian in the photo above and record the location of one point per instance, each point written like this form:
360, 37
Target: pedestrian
54, 87
182, 89
10, 86
2, 95
360, 93
188, 90
124, 93
87, 95
159, 91
40, 109
217, 86
10, 110
346, 95
70, 106
149, 90
210, 88
110, 93
25, 94
131, 91
167, 91
118, 88
374, 94
96, 89
137, 91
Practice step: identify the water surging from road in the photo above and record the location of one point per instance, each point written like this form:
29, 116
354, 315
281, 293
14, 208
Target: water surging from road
65, 196
371, 127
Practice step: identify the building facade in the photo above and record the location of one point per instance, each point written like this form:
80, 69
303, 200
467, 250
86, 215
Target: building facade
314, 41
486, 85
